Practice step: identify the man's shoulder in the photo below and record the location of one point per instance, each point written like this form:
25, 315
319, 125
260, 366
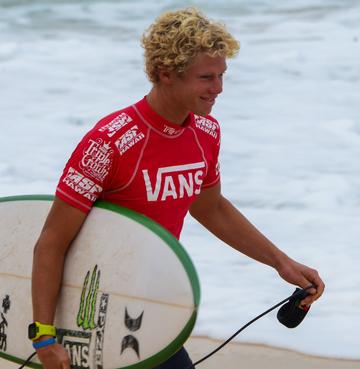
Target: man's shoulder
116, 132
116, 123
207, 126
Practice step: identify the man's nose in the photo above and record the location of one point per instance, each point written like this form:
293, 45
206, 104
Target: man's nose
217, 85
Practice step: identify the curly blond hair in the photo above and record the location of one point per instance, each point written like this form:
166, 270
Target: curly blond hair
175, 38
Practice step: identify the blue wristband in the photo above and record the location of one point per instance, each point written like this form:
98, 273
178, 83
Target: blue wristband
44, 343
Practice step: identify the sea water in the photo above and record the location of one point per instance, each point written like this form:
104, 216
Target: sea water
290, 154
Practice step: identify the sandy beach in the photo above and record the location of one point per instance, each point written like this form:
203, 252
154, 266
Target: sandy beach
249, 356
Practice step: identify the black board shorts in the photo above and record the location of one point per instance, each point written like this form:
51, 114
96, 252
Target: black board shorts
180, 360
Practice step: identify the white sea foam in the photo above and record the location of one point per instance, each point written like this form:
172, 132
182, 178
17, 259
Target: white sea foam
290, 147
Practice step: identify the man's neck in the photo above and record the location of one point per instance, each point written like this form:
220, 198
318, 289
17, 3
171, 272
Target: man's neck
165, 105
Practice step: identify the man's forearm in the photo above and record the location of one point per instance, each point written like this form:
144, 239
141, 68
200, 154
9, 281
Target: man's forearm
61, 227
229, 225
47, 273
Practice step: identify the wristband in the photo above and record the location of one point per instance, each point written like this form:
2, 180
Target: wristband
44, 343
36, 330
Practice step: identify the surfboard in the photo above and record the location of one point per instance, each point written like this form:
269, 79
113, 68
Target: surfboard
130, 292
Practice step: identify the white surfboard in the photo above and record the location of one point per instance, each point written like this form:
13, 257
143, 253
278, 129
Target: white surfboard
130, 291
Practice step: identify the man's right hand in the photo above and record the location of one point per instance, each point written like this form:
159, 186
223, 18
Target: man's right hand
54, 357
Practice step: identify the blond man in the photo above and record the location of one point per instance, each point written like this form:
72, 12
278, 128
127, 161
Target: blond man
185, 59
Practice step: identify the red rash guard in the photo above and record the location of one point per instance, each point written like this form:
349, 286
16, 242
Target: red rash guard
136, 159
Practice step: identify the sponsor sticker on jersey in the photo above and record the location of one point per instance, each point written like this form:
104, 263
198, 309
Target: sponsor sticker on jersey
171, 131
120, 121
174, 182
97, 159
207, 125
129, 139
82, 185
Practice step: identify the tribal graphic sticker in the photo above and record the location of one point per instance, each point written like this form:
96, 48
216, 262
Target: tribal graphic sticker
133, 325
4, 323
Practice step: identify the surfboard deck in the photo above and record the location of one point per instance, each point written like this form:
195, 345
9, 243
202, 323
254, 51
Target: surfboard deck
129, 296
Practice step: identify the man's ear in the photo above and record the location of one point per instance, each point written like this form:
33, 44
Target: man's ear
165, 76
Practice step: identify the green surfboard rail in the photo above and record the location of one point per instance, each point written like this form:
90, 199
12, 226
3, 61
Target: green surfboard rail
172, 243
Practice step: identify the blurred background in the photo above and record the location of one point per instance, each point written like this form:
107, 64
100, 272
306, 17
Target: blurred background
290, 154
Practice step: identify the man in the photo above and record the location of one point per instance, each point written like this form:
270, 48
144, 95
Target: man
117, 161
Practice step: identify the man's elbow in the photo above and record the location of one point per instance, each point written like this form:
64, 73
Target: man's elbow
204, 214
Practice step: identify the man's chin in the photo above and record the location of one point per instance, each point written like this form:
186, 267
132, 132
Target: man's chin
202, 112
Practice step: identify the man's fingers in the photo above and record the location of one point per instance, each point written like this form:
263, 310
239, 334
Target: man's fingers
315, 293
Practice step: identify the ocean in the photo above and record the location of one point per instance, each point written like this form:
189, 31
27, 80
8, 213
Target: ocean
290, 152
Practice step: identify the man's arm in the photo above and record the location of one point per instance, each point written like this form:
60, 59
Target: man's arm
221, 218
61, 227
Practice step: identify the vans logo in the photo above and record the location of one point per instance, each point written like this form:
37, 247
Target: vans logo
116, 124
97, 159
129, 139
207, 126
175, 182
77, 344
82, 185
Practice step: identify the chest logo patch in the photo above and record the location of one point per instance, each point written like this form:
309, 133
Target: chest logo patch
174, 182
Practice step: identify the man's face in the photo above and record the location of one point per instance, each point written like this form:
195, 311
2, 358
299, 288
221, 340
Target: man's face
197, 88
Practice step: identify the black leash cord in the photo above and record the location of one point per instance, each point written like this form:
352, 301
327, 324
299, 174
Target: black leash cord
28, 360
298, 294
